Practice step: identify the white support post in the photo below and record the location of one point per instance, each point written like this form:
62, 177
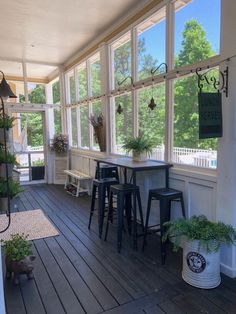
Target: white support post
134, 75
106, 86
63, 100
25, 82
170, 13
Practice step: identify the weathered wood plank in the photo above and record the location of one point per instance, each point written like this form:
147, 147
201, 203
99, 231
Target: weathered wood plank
63, 288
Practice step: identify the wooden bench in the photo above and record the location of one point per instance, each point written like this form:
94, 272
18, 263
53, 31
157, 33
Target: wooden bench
74, 178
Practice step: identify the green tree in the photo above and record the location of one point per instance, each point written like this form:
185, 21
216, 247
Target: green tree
195, 47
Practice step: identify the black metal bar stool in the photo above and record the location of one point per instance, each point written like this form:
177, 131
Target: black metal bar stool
124, 193
101, 186
107, 171
165, 196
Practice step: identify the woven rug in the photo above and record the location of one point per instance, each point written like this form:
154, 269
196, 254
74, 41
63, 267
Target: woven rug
32, 222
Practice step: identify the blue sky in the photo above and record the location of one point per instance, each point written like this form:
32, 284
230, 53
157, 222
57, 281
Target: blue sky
206, 12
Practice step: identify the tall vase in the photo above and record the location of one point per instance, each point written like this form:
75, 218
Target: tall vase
100, 136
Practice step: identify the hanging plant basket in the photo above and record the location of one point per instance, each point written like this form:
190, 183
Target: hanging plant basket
100, 136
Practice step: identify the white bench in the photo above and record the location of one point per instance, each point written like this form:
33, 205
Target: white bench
74, 177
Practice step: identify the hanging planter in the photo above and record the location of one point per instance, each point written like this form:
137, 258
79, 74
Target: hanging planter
99, 130
4, 172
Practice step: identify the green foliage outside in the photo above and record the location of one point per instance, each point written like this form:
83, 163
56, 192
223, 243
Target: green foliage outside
17, 248
195, 47
209, 234
34, 122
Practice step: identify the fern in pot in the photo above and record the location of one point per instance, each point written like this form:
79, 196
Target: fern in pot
6, 160
201, 240
140, 146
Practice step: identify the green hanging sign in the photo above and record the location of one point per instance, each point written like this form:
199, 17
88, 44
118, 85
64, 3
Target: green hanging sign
210, 115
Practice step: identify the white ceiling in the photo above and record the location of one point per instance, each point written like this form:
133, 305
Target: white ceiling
52, 31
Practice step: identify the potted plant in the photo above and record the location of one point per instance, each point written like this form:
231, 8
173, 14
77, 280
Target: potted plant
38, 169
10, 160
14, 189
140, 146
201, 240
6, 122
99, 130
18, 257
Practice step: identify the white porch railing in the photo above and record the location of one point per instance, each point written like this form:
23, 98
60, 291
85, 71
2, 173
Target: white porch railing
190, 156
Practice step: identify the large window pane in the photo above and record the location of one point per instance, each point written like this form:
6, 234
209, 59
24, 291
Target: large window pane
56, 92
122, 59
152, 122
188, 149
36, 93
71, 87
57, 121
151, 43
82, 81
95, 67
123, 122
74, 127
197, 31
84, 126
97, 110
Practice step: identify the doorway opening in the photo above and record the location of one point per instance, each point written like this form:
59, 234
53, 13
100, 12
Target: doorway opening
29, 146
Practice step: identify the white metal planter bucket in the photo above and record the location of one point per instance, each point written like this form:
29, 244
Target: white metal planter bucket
200, 269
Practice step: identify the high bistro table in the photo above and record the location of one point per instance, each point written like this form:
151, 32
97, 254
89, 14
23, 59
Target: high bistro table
127, 163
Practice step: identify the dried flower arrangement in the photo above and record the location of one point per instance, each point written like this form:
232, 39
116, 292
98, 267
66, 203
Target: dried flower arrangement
96, 121
60, 143
99, 130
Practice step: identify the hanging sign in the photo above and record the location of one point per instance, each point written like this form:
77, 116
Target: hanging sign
210, 115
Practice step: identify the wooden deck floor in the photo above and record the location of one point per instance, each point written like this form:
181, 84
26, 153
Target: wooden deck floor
76, 272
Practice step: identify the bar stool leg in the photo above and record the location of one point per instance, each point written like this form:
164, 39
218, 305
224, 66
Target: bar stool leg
164, 216
147, 219
134, 222
101, 206
109, 214
182, 205
128, 206
120, 213
140, 209
92, 205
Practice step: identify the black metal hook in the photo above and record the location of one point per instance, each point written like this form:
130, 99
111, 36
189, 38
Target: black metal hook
153, 71
127, 77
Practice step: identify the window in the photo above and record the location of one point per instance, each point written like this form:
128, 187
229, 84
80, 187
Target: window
152, 122
74, 130
71, 88
122, 122
122, 59
95, 70
188, 149
56, 92
82, 81
84, 126
36, 93
197, 31
151, 44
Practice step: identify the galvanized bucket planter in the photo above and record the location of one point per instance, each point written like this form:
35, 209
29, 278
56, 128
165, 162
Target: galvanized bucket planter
200, 269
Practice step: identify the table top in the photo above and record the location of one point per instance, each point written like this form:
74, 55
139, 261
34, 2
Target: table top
129, 163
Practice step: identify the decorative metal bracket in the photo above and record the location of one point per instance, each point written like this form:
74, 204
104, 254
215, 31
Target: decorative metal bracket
221, 84
126, 78
153, 71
